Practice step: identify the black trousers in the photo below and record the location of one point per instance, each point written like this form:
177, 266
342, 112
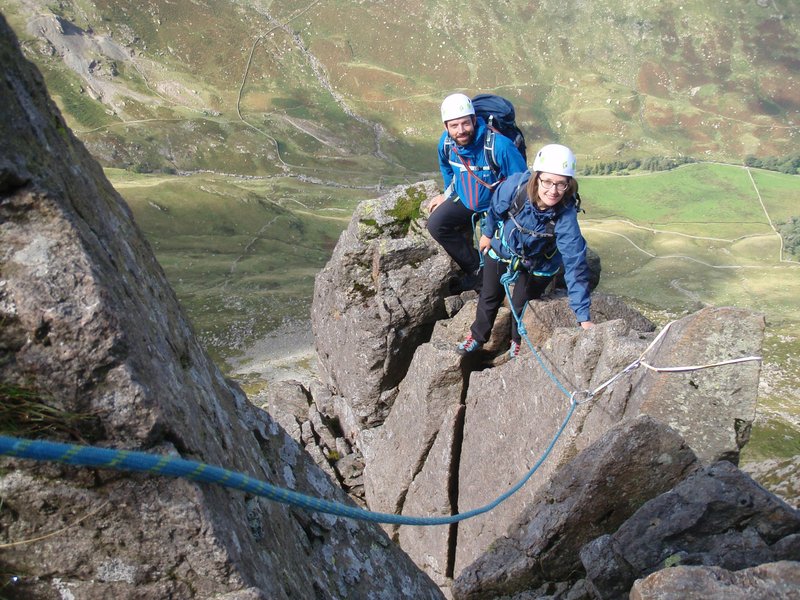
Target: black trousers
451, 225
527, 287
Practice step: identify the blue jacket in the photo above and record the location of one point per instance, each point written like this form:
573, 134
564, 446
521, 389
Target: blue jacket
458, 181
538, 254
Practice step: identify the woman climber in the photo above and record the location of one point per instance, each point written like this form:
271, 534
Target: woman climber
529, 235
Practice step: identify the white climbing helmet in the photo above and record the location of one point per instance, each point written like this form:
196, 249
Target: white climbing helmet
456, 106
555, 159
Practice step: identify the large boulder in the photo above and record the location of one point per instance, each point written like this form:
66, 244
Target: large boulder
552, 311
591, 495
764, 582
377, 299
404, 472
514, 410
713, 407
715, 517
95, 344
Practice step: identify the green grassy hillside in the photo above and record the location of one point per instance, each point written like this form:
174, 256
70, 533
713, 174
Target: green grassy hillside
241, 253
349, 92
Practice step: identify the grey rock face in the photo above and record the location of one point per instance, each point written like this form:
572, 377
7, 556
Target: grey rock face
93, 332
544, 316
411, 468
309, 417
399, 448
377, 300
592, 494
511, 409
513, 413
716, 517
764, 582
712, 408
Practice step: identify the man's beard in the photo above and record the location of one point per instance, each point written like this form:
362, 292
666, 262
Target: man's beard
467, 141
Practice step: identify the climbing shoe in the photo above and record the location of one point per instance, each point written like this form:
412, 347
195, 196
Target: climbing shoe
468, 345
513, 351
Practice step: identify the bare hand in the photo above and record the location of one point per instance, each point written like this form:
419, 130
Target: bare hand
435, 202
484, 244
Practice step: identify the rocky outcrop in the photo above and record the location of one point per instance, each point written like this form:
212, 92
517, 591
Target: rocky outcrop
591, 495
95, 343
768, 581
380, 295
377, 300
717, 516
462, 431
512, 412
309, 416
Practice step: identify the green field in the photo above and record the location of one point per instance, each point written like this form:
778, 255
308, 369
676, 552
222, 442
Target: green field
700, 234
676, 241
242, 255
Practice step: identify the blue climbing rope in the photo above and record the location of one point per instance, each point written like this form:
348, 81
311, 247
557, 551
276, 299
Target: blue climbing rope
507, 279
143, 462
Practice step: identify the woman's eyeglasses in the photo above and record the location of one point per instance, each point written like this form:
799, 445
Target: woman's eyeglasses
547, 184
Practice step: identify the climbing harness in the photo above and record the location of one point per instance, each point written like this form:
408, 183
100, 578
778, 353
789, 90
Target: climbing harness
477, 222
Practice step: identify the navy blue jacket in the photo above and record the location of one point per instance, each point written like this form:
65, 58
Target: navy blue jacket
537, 253
458, 181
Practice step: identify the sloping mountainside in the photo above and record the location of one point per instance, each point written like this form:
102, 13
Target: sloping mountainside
348, 92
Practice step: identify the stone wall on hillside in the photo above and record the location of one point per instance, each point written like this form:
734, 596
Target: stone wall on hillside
93, 338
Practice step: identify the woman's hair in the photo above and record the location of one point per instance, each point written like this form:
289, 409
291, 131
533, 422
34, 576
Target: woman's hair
533, 188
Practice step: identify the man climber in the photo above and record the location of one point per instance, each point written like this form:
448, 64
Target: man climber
469, 181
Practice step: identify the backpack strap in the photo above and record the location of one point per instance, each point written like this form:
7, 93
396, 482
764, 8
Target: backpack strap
488, 148
520, 198
448, 145
488, 151
549, 229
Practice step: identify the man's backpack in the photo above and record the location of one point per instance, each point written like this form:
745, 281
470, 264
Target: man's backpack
499, 114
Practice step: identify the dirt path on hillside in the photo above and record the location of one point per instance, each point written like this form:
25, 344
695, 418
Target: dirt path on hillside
318, 70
